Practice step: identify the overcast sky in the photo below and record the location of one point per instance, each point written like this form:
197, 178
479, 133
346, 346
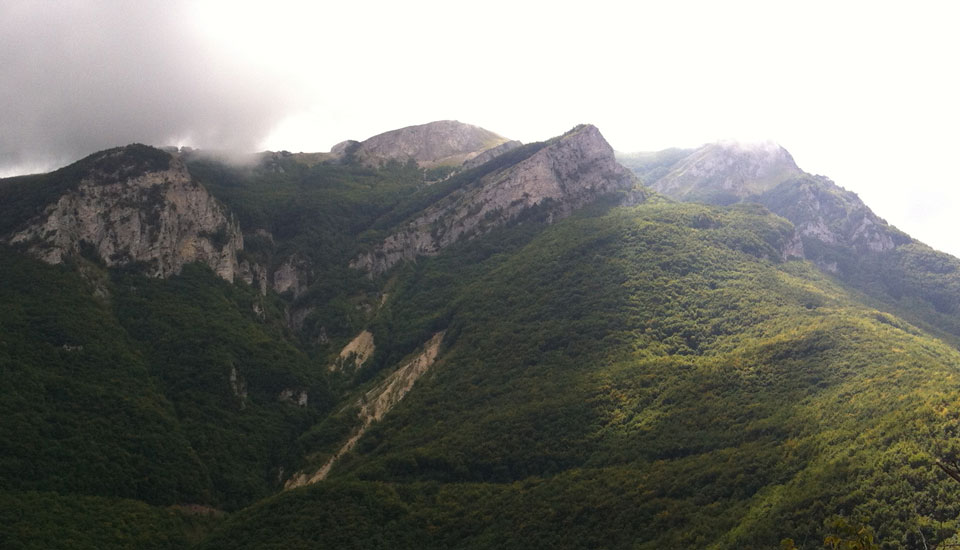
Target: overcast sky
867, 93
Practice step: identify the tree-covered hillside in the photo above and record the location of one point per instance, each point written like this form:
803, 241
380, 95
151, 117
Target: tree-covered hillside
840, 233
162, 391
653, 377
635, 373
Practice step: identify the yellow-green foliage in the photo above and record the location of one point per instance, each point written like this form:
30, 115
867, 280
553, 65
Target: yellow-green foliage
648, 377
653, 377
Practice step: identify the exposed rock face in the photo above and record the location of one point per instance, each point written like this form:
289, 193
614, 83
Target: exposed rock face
291, 275
360, 349
376, 403
298, 397
254, 275
343, 150
723, 173
159, 217
829, 219
344, 147
239, 387
490, 154
445, 142
564, 175
793, 249
824, 211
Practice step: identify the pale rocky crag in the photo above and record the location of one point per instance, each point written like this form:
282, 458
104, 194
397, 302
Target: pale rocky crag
159, 218
793, 248
344, 147
828, 213
359, 350
727, 172
441, 143
565, 174
820, 210
291, 276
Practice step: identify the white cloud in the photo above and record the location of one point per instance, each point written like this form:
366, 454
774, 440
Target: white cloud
863, 92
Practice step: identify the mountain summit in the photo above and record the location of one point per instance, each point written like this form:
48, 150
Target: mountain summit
440, 143
838, 232
726, 172
133, 205
557, 176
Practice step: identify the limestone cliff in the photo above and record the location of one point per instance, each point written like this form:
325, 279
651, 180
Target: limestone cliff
125, 211
291, 276
723, 173
829, 219
564, 174
829, 214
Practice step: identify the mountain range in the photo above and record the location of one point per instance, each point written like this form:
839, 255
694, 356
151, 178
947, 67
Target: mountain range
439, 337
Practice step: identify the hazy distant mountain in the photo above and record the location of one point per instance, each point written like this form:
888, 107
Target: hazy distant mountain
441, 143
729, 172
494, 346
723, 173
839, 232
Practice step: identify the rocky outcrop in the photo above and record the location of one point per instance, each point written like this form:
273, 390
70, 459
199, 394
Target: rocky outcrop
793, 248
254, 275
375, 404
238, 386
445, 142
294, 396
490, 154
291, 276
344, 148
823, 211
727, 172
563, 175
123, 213
359, 350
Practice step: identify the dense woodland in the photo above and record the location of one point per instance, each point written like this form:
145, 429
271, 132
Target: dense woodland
649, 376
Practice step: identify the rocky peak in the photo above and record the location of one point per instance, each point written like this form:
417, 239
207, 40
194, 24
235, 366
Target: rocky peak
830, 221
445, 142
558, 176
136, 204
726, 172
824, 211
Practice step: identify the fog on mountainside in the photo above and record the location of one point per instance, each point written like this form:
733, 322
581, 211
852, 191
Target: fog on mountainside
70, 89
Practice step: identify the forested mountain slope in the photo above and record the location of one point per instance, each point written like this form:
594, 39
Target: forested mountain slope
574, 362
840, 233
650, 377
